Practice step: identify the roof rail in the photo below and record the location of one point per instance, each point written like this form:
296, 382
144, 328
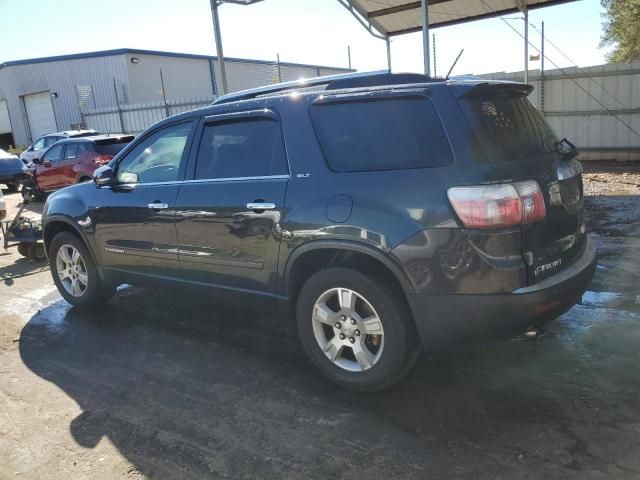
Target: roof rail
302, 83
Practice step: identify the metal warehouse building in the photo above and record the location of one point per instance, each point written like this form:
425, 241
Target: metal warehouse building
44, 95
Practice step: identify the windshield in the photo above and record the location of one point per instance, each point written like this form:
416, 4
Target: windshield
510, 128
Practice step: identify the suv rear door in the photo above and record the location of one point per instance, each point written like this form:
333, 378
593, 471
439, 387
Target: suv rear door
229, 214
520, 145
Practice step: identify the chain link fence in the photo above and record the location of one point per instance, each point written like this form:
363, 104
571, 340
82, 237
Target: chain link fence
137, 117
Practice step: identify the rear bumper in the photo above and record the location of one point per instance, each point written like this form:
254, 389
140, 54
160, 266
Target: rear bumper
444, 319
15, 177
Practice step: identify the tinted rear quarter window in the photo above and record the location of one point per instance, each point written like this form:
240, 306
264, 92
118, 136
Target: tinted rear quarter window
381, 134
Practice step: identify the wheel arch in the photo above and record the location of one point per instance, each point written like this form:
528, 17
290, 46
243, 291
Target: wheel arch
59, 223
312, 257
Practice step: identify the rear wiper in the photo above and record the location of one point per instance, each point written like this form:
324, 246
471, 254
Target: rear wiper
567, 149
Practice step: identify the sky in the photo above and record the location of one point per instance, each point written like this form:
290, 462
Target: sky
307, 31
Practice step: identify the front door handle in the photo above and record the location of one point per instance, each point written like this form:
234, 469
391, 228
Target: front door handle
261, 206
158, 206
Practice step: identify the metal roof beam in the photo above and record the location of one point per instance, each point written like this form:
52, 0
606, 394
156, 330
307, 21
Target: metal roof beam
401, 8
372, 27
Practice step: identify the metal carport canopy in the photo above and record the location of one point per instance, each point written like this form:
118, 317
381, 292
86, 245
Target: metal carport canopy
397, 17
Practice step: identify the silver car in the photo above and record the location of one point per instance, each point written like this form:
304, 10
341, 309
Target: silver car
37, 148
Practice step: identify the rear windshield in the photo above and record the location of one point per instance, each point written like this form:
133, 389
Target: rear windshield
111, 148
387, 134
510, 128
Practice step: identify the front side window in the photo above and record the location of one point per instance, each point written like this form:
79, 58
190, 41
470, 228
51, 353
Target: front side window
38, 145
54, 154
381, 134
246, 148
157, 158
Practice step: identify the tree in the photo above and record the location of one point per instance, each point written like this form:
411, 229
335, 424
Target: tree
622, 30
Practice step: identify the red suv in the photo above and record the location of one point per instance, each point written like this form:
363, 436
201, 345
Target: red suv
72, 161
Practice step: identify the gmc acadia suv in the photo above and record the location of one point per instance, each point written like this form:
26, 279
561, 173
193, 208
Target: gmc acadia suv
384, 211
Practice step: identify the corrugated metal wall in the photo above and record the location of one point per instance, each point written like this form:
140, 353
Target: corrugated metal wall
61, 78
185, 78
599, 132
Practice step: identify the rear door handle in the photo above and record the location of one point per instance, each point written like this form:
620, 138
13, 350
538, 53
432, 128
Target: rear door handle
158, 206
261, 206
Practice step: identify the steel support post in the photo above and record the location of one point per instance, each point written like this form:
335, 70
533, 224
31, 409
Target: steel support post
219, 50
425, 37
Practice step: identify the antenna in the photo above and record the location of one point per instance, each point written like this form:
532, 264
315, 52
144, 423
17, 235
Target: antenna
454, 64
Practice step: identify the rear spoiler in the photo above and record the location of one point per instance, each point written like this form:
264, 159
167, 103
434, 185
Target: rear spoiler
115, 139
494, 88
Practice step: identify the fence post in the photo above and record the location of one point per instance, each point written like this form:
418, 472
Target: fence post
120, 118
279, 69
164, 95
80, 103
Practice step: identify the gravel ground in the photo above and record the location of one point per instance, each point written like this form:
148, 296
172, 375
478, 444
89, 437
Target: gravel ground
161, 387
611, 180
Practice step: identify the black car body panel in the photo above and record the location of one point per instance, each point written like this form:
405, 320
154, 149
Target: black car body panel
12, 171
209, 235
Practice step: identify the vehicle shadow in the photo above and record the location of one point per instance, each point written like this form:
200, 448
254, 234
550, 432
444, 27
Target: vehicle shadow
186, 389
22, 267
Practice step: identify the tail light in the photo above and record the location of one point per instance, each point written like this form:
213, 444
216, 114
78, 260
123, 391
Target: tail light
496, 206
102, 159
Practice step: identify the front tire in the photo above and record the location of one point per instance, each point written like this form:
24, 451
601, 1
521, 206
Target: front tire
355, 329
12, 187
75, 274
30, 193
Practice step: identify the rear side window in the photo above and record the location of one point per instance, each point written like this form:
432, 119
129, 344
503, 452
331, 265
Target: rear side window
48, 141
387, 134
71, 151
246, 148
510, 128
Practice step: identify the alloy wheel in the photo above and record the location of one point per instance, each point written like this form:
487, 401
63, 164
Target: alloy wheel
348, 330
72, 270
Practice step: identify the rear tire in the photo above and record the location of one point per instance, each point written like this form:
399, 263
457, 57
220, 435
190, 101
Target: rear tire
12, 187
380, 343
75, 274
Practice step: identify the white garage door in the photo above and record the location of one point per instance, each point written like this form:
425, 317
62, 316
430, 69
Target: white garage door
40, 114
5, 124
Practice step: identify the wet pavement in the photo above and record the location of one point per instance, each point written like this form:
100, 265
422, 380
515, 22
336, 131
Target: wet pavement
162, 387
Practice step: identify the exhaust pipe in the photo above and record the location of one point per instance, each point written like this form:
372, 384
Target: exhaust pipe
534, 333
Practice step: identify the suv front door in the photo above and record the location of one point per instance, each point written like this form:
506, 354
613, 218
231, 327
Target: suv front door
134, 219
47, 170
229, 215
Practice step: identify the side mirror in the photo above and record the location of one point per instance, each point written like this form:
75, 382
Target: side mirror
36, 161
104, 176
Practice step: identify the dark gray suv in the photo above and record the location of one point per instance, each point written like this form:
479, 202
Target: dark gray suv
383, 212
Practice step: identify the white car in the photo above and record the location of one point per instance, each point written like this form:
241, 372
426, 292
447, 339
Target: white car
37, 148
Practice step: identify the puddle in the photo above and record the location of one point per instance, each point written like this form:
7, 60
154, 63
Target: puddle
54, 317
598, 298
